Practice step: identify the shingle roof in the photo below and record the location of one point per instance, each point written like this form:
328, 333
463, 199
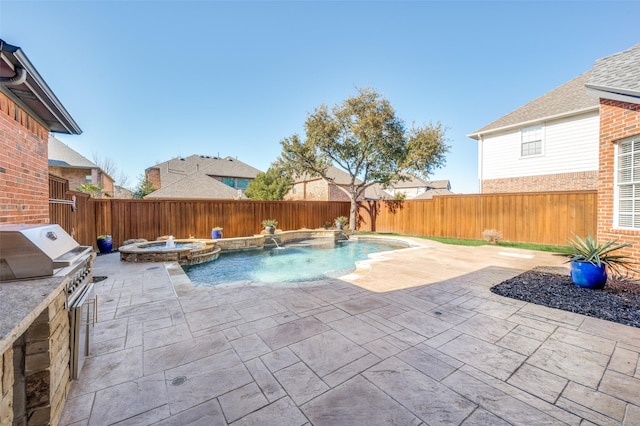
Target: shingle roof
197, 185
439, 184
177, 168
413, 182
62, 155
569, 98
618, 74
376, 192
429, 194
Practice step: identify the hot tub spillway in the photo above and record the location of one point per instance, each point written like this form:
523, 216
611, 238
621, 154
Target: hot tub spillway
185, 252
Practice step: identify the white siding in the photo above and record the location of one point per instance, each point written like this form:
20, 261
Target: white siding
569, 145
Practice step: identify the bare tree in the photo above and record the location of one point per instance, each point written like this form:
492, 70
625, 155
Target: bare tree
108, 166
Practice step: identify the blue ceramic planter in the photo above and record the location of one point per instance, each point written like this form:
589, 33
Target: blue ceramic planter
215, 234
588, 275
105, 245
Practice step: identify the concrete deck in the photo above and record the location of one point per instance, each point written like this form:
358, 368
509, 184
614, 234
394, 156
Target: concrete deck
418, 339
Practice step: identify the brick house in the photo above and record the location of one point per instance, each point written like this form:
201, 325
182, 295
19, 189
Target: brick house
318, 189
29, 110
615, 81
34, 385
527, 149
420, 189
200, 176
68, 164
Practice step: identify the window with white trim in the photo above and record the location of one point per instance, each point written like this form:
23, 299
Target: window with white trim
628, 182
531, 141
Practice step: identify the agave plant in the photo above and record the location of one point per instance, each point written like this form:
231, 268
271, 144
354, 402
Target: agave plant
588, 250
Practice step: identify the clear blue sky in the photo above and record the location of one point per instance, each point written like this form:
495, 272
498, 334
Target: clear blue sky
150, 80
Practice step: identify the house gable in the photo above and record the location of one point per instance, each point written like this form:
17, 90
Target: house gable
616, 82
69, 164
168, 172
566, 126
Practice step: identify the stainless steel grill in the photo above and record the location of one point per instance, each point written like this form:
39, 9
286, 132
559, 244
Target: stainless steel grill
36, 251
30, 251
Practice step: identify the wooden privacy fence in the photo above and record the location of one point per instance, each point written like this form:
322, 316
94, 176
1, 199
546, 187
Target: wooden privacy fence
149, 219
543, 218
79, 222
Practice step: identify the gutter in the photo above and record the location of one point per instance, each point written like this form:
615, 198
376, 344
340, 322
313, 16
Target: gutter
15, 57
16, 80
477, 135
615, 96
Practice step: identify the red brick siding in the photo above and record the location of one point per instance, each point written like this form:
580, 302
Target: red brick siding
153, 176
78, 177
555, 182
337, 194
618, 120
316, 190
24, 177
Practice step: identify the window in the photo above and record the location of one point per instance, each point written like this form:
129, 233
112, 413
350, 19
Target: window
531, 141
628, 182
87, 178
242, 183
229, 181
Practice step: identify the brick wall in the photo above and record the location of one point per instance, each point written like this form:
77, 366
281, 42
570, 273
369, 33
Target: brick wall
337, 194
24, 178
153, 176
555, 182
316, 190
78, 177
618, 120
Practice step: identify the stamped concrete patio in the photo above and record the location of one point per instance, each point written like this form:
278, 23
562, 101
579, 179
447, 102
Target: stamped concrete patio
419, 339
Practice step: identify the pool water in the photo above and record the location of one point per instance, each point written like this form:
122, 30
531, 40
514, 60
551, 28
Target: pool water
297, 262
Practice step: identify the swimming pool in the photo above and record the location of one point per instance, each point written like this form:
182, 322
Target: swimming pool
306, 261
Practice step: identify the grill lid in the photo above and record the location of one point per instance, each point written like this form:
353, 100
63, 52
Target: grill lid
28, 251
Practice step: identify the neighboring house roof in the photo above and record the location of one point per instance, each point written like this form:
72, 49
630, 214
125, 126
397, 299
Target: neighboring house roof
121, 192
376, 192
178, 168
20, 80
197, 185
62, 155
439, 184
617, 76
429, 194
569, 99
413, 182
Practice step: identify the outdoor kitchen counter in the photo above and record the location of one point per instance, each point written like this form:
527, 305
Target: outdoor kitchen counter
20, 304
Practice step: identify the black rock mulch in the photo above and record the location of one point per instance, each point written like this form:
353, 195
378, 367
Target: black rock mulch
618, 301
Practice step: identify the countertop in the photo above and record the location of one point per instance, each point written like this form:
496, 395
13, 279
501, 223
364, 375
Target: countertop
21, 302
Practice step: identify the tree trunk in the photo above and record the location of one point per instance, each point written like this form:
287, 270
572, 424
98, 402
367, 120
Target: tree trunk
353, 212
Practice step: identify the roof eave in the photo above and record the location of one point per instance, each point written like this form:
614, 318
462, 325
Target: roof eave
35, 84
622, 95
478, 134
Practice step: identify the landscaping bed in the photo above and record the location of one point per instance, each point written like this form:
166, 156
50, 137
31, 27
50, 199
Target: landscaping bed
618, 301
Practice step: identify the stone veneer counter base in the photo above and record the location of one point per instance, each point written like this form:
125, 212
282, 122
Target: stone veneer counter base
22, 302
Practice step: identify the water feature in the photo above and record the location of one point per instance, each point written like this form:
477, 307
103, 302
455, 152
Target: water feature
298, 263
185, 252
275, 242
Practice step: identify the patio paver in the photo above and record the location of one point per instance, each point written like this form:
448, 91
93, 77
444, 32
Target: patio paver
418, 340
